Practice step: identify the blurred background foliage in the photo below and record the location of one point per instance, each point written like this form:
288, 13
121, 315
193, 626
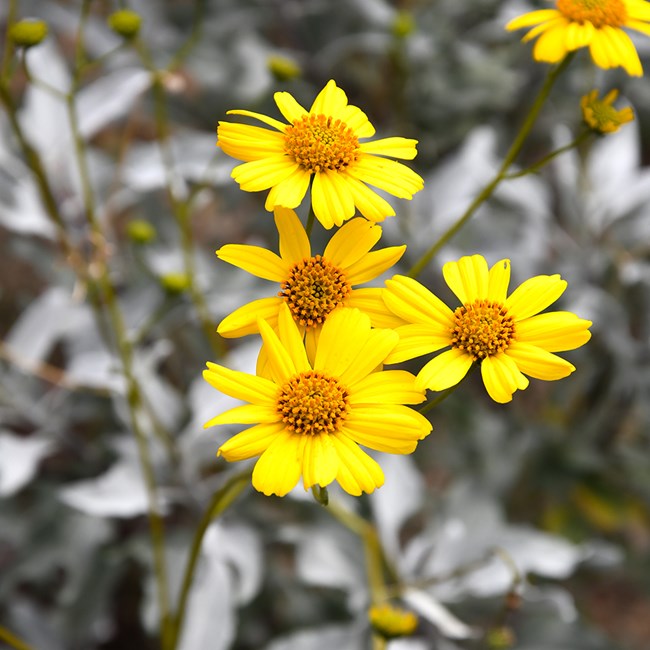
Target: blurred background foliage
558, 481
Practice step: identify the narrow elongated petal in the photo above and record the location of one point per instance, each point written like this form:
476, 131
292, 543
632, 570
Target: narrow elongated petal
292, 339
445, 370
468, 278
289, 192
289, 107
498, 281
247, 414
374, 264
279, 467
579, 35
387, 387
418, 339
532, 18
502, 377
413, 302
551, 47
262, 118
554, 331
351, 242
626, 54
388, 175
320, 462
358, 121
538, 363
329, 101
251, 442
370, 302
259, 175
249, 143
357, 472
280, 364
294, 242
259, 261
534, 295
403, 148
248, 388
372, 206
243, 321
332, 201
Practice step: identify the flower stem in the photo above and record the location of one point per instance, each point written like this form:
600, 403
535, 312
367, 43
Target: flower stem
12, 640
501, 174
220, 501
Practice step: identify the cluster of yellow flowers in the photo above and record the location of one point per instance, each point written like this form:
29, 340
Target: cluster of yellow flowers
321, 388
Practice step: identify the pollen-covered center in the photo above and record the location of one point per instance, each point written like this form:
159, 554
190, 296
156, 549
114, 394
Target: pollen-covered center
319, 143
482, 328
312, 403
314, 288
597, 12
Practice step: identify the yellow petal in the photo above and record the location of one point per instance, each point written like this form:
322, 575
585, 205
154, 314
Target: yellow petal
290, 192
413, 302
259, 175
259, 261
262, 118
626, 55
280, 364
289, 107
241, 385
502, 377
357, 472
554, 331
550, 46
251, 442
351, 242
246, 414
333, 202
292, 339
579, 35
279, 467
386, 387
532, 18
539, 363
320, 462
387, 175
418, 339
329, 101
373, 264
358, 121
468, 278
534, 295
370, 301
294, 242
247, 143
243, 321
445, 370
372, 206
403, 148
498, 281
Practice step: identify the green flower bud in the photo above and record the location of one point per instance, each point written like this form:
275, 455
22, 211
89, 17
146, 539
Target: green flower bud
500, 638
391, 622
283, 69
140, 231
125, 22
403, 25
26, 33
175, 283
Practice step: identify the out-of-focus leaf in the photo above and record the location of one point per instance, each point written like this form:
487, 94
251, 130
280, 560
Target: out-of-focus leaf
433, 611
19, 459
341, 637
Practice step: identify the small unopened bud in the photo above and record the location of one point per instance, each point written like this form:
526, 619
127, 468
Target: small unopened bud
140, 231
27, 33
391, 622
125, 22
175, 283
403, 25
282, 68
500, 638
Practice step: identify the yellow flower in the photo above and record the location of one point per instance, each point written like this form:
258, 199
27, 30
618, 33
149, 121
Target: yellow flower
596, 24
312, 286
392, 622
507, 336
310, 418
601, 116
322, 143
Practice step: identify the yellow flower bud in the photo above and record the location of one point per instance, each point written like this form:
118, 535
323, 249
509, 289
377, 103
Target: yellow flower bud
391, 622
140, 231
27, 33
125, 22
282, 68
175, 283
599, 114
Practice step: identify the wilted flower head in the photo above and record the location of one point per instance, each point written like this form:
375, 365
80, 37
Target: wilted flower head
599, 114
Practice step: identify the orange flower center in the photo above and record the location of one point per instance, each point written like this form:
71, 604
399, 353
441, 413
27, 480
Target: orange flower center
597, 12
482, 329
314, 288
312, 403
319, 143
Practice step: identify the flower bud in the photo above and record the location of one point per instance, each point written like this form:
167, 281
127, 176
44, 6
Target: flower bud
140, 231
391, 622
125, 22
27, 33
282, 68
175, 283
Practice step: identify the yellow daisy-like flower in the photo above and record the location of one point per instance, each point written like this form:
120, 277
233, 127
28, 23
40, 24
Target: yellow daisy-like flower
324, 144
599, 114
506, 335
597, 24
312, 286
310, 418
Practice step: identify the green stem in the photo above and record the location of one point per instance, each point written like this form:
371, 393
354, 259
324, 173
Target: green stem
9, 47
513, 152
546, 159
13, 640
194, 37
220, 501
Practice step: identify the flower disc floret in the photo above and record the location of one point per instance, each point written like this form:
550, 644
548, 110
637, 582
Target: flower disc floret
319, 143
482, 329
313, 289
596, 12
312, 403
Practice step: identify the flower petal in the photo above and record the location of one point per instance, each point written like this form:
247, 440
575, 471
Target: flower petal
532, 18
418, 339
445, 370
250, 442
502, 377
413, 302
357, 472
357, 120
279, 467
374, 264
386, 387
498, 281
289, 107
468, 278
550, 47
246, 414
294, 242
332, 201
241, 385
372, 206
539, 363
330, 101
262, 118
243, 321
259, 261
320, 462
534, 295
403, 148
351, 242
247, 143
280, 364
389, 175
554, 331
370, 301
290, 192
259, 175
292, 339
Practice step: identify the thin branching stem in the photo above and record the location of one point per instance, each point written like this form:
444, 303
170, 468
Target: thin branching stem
12, 640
